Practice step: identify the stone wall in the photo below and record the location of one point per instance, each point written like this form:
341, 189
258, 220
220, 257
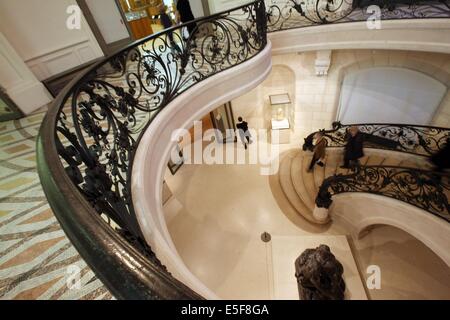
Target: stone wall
317, 98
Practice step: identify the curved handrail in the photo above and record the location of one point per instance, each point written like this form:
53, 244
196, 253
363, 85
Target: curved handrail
412, 139
427, 190
424, 189
88, 139
291, 14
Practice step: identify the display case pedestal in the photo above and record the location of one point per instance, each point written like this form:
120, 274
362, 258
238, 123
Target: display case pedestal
280, 131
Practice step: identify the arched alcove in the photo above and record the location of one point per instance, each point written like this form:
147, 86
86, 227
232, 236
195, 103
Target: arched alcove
253, 105
389, 95
422, 275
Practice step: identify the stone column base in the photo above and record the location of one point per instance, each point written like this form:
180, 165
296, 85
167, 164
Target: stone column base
320, 214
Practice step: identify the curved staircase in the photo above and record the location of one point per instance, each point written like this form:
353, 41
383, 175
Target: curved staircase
301, 187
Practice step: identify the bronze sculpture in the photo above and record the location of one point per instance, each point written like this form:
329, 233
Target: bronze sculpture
319, 275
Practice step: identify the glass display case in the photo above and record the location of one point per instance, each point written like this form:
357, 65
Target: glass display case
280, 120
143, 16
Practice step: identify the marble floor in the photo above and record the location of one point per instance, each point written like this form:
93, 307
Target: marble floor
218, 213
37, 260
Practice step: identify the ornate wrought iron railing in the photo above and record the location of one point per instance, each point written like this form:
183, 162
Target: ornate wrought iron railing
418, 140
290, 14
426, 190
88, 139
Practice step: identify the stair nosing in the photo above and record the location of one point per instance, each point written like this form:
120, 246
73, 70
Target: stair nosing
306, 213
298, 186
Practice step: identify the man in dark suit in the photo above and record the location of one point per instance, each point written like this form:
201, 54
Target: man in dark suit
354, 148
244, 134
319, 151
167, 23
441, 160
186, 15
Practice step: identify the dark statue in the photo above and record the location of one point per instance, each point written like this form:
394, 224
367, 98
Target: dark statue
319, 275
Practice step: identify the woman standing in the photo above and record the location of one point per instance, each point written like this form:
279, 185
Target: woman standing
319, 151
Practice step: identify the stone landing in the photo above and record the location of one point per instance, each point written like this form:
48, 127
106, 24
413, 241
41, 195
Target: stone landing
286, 249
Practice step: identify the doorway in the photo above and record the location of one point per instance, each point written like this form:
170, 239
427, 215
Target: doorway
143, 17
223, 121
117, 23
108, 23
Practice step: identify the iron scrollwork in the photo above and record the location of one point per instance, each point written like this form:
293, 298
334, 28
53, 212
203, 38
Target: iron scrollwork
101, 118
100, 122
419, 140
289, 14
426, 190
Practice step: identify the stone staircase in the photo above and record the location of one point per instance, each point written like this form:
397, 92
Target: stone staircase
301, 187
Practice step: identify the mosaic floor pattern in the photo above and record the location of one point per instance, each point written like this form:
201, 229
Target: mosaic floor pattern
37, 260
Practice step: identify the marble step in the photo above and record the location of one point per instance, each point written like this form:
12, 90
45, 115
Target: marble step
375, 160
284, 175
410, 164
364, 160
330, 168
308, 180
298, 177
392, 162
319, 175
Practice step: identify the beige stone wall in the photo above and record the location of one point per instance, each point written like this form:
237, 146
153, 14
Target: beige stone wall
254, 106
317, 98
442, 117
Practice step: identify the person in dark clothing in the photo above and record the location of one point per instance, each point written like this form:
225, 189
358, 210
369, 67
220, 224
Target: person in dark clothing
354, 148
167, 23
244, 134
441, 160
186, 15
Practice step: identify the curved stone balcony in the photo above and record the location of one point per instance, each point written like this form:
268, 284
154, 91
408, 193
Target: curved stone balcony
104, 143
